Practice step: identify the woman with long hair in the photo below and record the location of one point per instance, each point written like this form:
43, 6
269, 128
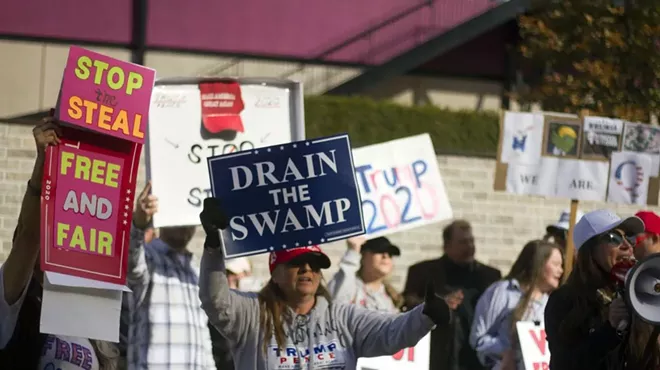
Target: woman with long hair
292, 323
362, 275
22, 346
584, 321
520, 296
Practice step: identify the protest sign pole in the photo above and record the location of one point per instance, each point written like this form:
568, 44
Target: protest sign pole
570, 247
569, 259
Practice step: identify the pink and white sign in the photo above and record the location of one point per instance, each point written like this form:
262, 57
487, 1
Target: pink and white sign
105, 95
400, 185
413, 358
533, 345
87, 201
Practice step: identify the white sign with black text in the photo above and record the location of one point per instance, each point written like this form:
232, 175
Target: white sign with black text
191, 122
538, 179
582, 180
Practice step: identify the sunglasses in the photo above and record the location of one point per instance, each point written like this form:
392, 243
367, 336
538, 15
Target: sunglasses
618, 237
313, 263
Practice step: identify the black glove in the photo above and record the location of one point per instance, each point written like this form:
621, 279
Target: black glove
213, 219
435, 307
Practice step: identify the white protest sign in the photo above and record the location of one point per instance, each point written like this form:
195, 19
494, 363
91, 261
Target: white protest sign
533, 345
629, 177
400, 185
582, 180
190, 121
522, 138
537, 179
413, 358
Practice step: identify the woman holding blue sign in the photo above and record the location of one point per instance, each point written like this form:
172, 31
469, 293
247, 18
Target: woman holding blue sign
362, 275
292, 322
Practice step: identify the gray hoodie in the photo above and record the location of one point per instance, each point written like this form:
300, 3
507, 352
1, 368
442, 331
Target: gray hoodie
347, 287
331, 336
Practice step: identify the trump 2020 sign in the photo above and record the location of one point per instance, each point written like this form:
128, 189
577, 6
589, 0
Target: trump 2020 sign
288, 195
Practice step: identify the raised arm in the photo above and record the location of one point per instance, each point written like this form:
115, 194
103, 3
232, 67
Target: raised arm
139, 276
17, 270
489, 315
343, 285
234, 314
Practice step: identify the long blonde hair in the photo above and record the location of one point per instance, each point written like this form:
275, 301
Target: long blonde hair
395, 296
272, 309
107, 353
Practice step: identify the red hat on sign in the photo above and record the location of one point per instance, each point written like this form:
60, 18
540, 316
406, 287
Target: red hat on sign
651, 221
222, 105
313, 254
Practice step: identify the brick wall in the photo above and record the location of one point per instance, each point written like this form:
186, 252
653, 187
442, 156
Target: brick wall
502, 222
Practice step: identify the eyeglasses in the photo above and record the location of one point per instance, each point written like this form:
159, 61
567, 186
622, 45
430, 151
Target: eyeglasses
618, 237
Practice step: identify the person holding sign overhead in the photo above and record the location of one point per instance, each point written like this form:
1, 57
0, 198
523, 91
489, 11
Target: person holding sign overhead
362, 274
22, 346
291, 323
520, 296
168, 329
584, 324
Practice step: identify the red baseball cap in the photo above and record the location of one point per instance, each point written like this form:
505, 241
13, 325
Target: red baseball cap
222, 105
313, 252
651, 221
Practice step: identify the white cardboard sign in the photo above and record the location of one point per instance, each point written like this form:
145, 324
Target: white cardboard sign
187, 126
400, 185
413, 358
533, 345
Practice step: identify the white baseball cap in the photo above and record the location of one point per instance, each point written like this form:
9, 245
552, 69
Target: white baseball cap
563, 222
601, 221
238, 265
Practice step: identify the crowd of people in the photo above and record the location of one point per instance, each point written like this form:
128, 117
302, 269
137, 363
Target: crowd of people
211, 314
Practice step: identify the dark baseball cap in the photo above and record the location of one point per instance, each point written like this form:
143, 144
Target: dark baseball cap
381, 245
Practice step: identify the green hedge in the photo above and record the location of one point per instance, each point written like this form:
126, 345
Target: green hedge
368, 121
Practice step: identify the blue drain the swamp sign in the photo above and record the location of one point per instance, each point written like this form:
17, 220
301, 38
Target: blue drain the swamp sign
288, 195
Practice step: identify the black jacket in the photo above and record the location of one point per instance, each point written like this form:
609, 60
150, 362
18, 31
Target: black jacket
595, 343
450, 349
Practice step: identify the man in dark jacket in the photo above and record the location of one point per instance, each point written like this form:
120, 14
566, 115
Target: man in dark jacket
462, 280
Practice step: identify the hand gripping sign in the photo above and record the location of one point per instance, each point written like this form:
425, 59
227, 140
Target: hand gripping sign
287, 196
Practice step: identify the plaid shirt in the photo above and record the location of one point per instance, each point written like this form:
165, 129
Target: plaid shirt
168, 328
